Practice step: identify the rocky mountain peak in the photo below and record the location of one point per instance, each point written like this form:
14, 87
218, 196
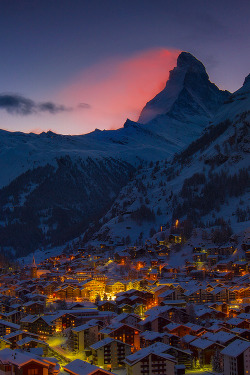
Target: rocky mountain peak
188, 93
187, 60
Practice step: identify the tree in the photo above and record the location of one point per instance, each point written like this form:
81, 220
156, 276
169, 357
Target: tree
128, 240
152, 232
105, 297
97, 299
191, 312
217, 361
159, 212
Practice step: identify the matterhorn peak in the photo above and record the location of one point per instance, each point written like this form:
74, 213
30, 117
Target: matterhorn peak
188, 94
187, 60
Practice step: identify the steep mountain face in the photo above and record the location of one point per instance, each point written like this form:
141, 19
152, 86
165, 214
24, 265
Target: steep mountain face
54, 186
188, 94
205, 184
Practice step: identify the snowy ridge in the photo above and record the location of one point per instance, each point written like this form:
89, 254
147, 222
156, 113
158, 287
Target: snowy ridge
56, 188
223, 148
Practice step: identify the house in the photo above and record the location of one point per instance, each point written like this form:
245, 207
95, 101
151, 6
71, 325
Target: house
40, 325
62, 320
148, 338
167, 295
79, 367
85, 335
7, 327
236, 358
178, 329
123, 332
110, 353
154, 322
24, 363
238, 323
17, 336
28, 343
107, 306
204, 349
150, 360
34, 307
130, 319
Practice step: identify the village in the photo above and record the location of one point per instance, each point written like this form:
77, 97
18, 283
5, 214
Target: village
98, 311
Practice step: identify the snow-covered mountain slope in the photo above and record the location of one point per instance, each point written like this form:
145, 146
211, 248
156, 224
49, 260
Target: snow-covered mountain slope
55, 187
187, 116
207, 183
132, 143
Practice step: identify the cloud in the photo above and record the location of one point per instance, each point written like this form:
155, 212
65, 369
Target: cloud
118, 88
18, 105
52, 108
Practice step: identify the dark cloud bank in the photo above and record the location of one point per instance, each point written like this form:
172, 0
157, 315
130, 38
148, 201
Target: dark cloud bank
18, 105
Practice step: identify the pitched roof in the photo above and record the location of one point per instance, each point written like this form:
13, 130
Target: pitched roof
236, 348
82, 368
157, 348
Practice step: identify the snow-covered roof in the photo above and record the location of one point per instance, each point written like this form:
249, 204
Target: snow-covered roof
79, 367
19, 358
90, 323
221, 337
9, 324
157, 348
236, 348
201, 343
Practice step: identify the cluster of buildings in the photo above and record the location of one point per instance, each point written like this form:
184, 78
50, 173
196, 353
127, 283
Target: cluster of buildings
127, 310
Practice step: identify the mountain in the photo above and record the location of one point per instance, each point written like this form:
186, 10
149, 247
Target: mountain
55, 188
205, 185
188, 94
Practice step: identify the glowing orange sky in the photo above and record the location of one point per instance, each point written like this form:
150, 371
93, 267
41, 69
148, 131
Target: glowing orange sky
117, 89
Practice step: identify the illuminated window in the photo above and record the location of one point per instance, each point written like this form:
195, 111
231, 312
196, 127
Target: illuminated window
33, 371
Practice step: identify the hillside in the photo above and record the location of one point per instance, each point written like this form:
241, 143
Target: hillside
206, 184
55, 188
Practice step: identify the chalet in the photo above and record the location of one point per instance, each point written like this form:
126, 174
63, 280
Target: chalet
7, 327
125, 308
238, 322
85, 335
24, 363
167, 295
79, 367
154, 323
40, 325
110, 353
123, 332
177, 329
17, 336
34, 307
150, 360
114, 287
148, 338
62, 320
236, 358
28, 343
203, 350
132, 320
107, 306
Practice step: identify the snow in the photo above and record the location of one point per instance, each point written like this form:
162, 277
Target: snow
236, 348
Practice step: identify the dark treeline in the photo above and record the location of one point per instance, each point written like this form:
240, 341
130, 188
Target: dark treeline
200, 195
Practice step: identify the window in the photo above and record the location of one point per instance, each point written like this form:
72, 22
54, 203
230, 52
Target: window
33, 371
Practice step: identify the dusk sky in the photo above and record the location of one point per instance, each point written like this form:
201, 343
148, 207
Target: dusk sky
71, 66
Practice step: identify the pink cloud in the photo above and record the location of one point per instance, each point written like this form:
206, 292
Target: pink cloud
118, 89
